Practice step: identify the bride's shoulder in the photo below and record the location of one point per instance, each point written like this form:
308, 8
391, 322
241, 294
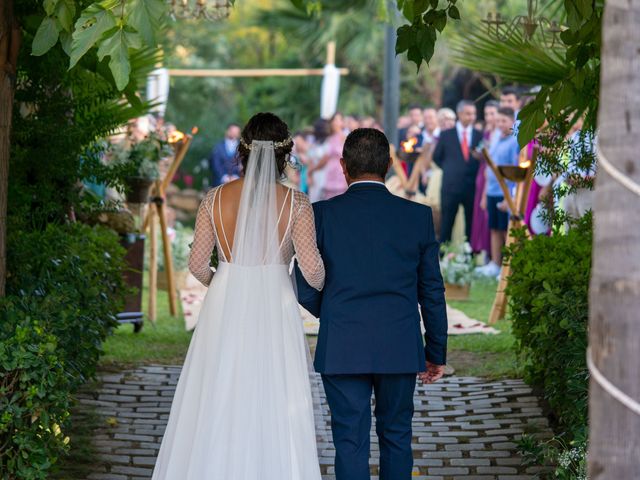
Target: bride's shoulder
300, 198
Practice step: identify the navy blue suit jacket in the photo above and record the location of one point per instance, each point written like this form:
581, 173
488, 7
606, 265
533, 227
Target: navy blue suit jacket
222, 163
458, 175
381, 259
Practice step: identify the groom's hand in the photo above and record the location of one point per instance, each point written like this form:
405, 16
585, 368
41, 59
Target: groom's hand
433, 374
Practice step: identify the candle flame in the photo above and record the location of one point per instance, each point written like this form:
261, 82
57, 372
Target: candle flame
175, 137
409, 144
525, 164
194, 130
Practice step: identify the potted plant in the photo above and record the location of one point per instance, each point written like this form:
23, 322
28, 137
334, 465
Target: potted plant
456, 265
140, 158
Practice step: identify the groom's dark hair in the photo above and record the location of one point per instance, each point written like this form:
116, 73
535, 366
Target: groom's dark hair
366, 152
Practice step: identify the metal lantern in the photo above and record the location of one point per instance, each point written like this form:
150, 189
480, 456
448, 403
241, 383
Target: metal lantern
212, 10
503, 28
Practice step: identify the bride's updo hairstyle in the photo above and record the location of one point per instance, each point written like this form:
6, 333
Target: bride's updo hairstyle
266, 127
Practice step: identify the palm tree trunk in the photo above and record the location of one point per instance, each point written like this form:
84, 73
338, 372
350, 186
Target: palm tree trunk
614, 451
9, 46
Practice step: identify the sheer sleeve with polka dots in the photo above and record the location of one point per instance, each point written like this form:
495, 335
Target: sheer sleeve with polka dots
303, 235
204, 240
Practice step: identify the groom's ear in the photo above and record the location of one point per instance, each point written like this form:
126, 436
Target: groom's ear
389, 165
344, 169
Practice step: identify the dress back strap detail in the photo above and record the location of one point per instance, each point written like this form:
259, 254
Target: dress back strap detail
224, 233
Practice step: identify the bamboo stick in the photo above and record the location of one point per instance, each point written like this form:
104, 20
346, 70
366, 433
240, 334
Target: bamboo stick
251, 72
153, 265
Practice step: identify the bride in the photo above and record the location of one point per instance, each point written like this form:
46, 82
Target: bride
243, 408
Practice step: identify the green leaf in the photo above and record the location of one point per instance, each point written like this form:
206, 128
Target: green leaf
50, 6
420, 6
454, 12
562, 97
426, 40
116, 45
46, 37
415, 56
65, 41
440, 21
65, 12
406, 38
434, 3
407, 10
531, 118
90, 27
145, 16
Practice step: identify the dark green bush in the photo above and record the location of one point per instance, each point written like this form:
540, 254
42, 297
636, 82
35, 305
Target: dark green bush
64, 288
548, 293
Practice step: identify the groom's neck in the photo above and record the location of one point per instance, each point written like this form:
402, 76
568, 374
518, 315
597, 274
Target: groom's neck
366, 178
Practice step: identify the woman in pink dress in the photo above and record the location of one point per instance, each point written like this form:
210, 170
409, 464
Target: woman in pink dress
480, 236
334, 183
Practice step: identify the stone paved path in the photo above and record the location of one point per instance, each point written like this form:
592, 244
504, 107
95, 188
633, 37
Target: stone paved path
464, 428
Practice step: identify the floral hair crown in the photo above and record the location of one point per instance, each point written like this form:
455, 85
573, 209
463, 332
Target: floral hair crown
286, 142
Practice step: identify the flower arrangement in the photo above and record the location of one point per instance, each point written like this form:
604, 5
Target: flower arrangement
456, 263
140, 157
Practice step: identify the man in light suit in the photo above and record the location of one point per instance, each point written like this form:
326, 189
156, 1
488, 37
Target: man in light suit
381, 260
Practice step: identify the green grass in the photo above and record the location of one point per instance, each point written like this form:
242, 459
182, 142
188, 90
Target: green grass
164, 342
481, 355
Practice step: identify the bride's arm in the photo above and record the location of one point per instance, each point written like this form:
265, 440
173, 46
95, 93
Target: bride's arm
303, 234
203, 242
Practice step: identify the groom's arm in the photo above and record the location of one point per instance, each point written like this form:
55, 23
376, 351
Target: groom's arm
431, 296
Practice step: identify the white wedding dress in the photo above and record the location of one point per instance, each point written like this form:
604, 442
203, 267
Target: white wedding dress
243, 407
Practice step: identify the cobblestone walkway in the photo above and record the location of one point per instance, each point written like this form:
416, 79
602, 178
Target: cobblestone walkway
464, 428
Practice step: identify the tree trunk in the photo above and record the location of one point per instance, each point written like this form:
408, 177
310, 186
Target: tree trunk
9, 46
614, 450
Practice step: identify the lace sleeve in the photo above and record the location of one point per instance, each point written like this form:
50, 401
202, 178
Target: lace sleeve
204, 240
303, 234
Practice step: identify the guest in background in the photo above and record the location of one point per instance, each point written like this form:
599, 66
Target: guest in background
480, 235
415, 121
446, 118
420, 175
505, 151
298, 176
334, 183
459, 169
222, 161
510, 98
316, 153
351, 123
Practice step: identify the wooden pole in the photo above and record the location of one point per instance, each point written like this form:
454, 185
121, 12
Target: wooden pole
331, 53
166, 245
153, 264
181, 151
251, 72
9, 49
517, 205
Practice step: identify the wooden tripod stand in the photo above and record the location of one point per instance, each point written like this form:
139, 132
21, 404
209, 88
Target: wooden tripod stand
517, 204
155, 213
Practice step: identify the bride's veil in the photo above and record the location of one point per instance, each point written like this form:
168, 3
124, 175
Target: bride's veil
257, 240
257, 243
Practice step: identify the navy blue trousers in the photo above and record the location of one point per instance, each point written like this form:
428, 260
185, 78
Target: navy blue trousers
349, 398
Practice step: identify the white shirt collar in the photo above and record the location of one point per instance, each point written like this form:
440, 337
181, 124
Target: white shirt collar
367, 181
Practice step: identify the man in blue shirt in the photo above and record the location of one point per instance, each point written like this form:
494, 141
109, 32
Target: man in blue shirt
504, 151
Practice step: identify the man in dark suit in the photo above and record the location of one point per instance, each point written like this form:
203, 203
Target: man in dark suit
455, 154
222, 161
381, 260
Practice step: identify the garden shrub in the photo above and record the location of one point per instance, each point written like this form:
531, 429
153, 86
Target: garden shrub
548, 293
64, 288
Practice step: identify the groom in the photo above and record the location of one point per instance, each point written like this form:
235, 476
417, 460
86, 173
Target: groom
381, 260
